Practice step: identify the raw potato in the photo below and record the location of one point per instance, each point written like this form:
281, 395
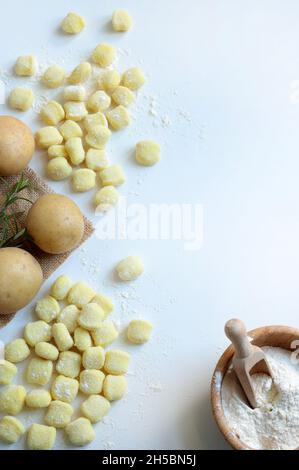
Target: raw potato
91, 381
57, 151
61, 336
75, 150
52, 113
106, 198
46, 351
112, 176
93, 120
118, 118
133, 78
55, 223
80, 294
114, 387
80, 432
147, 152
73, 23
70, 129
36, 332
17, 145
98, 137
98, 101
105, 334
38, 399
48, 136
139, 331
16, 351
95, 408
108, 80
75, 110
116, 362
96, 159
11, 429
41, 437
7, 372
82, 339
21, 99
130, 268
69, 317
54, 76
80, 74
69, 364
26, 66
39, 371
83, 180
104, 54
61, 287
93, 358
47, 309
59, 414
121, 21
74, 93
65, 389
12, 399
20, 279
59, 169
91, 316
123, 96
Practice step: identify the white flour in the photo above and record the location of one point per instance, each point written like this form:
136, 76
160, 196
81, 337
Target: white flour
275, 423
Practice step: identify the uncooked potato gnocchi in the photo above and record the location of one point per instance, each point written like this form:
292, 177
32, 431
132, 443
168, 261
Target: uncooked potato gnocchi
12, 399
47, 309
39, 371
59, 414
91, 316
64, 389
11, 429
80, 432
38, 399
7, 372
41, 437
95, 408
37, 331
130, 268
16, 351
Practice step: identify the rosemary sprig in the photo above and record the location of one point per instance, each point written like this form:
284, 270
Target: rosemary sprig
11, 233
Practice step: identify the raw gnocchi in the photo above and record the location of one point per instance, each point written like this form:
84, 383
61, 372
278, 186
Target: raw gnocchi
91, 316
26, 66
93, 358
75, 110
83, 180
61, 287
21, 99
39, 371
54, 76
82, 339
116, 362
104, 55
57, 151
80, 432
11, 429
47, 309
58, 169
130, 268
91, 381
41, 437
121, 21
69, 364
98, 101
52, 113
48, 136
73, 23
59, 414
123, 96
118, 118
114, 387
112, 176
64, 389
7, 372
147, 152
133, 78
108, 80
106, 198
46, 351
16, 351
75, 150
38, 399
95, 408
98, 137
70, 129
80, 74
80, 294
96, 159
69, 317
74, 93
37, 331
62, 337
12, 399
105, 334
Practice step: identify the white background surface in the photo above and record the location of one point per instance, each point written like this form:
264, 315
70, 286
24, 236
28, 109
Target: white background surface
229, 66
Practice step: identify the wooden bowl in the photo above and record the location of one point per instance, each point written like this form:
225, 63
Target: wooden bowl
277, 336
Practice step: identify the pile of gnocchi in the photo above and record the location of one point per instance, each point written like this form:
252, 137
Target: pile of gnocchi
78, 129
67, 347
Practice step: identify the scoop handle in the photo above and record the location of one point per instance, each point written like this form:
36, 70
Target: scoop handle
235, 330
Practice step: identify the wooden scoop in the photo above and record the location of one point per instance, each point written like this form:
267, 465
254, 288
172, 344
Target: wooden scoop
247, 360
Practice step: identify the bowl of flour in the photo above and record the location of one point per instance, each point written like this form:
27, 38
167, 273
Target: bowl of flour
274, 424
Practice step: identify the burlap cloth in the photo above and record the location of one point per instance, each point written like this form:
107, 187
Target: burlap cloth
49, 263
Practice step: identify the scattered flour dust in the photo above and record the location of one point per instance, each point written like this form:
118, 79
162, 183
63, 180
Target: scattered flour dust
275, 423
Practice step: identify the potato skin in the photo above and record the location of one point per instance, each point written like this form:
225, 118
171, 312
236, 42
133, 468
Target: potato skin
16, 145
20, 279
55, 223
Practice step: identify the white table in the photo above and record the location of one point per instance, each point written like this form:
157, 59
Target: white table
222, 77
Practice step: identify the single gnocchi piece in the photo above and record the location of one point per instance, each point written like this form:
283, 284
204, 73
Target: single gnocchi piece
106, 198
69, 364
133, 78
21, 99
70, 129
108, 80
96, 159
91, 381
83, 180
74, 93
121, 21
114, 387
75, 110
37, 331
116, 362
91, 316
65, 389
139, 331
95, 408
93, 358
39, 371
7, 372
38, 399
80, 294
17, 351
80, 74
80, 432
105, 334
112, 176
61, 287
47, 309
98, 137
104, 55
48, 136
54, 76
130, 268
59, 414
147, 152
52, 113
82, 339
118, 118
26, 66
11, 429
12, 399
41, 437
123, 96
46, 351
58, 169
56, 151
98, 101
75, 150
73, 23
105, 302
69, 317
93, 120
62, 337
